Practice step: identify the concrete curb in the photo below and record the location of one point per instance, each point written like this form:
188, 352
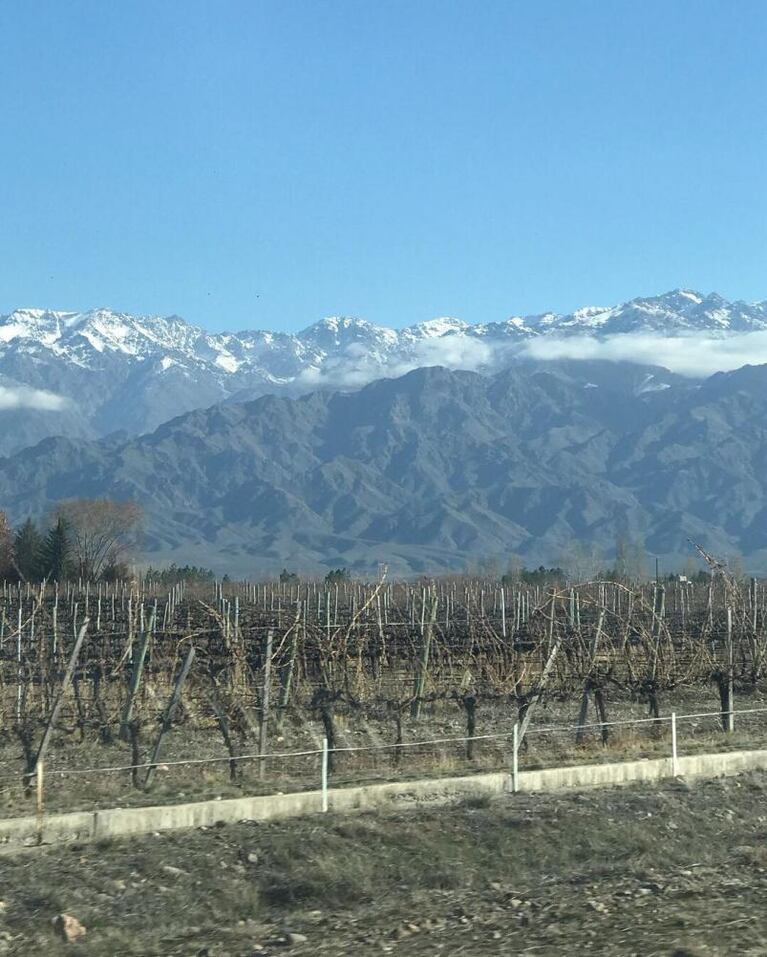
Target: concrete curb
84, 826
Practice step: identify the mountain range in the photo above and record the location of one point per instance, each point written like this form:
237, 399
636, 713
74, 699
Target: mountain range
430, 447
89, 375
436, 469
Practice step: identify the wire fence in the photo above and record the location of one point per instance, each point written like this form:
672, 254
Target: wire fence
319, 767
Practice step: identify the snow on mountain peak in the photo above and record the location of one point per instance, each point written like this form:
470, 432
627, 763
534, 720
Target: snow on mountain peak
121, 371
103, 338
442, 326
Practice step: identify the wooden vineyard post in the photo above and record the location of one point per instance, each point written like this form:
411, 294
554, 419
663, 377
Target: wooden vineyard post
18, 666
168, 716
265, 695
67, 681
547, 669
470, 704
584, 709
223, 724
138, 669
286, 673
423, 664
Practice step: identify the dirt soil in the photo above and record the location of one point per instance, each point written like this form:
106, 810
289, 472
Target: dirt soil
673, 870
67, 788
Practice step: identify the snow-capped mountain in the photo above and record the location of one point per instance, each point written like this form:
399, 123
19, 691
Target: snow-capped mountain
676, 313
92, 373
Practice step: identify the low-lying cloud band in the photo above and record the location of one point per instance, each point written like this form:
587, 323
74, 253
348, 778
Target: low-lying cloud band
687, 355
25, 397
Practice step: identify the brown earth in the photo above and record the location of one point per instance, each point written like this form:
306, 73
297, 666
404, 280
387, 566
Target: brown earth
674, 869
68, 789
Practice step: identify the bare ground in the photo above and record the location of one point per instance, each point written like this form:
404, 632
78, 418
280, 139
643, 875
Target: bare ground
666, 870
67, 788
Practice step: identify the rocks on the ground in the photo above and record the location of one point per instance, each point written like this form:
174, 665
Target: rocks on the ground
68, 928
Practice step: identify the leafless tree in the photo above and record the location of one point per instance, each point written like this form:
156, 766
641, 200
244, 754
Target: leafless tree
102, 532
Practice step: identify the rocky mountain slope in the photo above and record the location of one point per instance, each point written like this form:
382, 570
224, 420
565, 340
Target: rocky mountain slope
86, 375
435, 469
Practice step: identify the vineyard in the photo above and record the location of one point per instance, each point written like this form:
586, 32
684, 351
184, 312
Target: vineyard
117, 688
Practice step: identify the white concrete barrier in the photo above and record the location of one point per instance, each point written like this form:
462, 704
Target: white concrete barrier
82, 826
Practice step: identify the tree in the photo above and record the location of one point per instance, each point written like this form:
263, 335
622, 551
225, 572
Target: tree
581, 561
536, 576
101, 533
55, 553
489, 567
28, 551
337, 575
736, 567
514, 569
6, 547
173, 574
287, 578
630, 561
543, 576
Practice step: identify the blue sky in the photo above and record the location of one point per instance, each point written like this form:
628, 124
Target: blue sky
258, 164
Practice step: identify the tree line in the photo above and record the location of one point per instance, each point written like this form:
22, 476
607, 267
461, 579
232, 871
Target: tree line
81, 538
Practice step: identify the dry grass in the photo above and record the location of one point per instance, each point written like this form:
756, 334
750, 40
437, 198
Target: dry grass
66, 790
629, 871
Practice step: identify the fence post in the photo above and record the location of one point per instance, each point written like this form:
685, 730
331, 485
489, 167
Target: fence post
265, 696
503, 613
40, 782
674, 763
324, 775
730, 676
515, 759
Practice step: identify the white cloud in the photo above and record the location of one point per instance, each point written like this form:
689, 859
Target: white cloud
355, 367
24, 397
686, 355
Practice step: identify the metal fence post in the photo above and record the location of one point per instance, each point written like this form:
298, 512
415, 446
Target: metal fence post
730, 677
324, 774
40, 805
674, 762
515, 760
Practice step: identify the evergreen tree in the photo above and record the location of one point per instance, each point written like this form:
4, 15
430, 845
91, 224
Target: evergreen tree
338, 575
27, 551
6, 547
56, 552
